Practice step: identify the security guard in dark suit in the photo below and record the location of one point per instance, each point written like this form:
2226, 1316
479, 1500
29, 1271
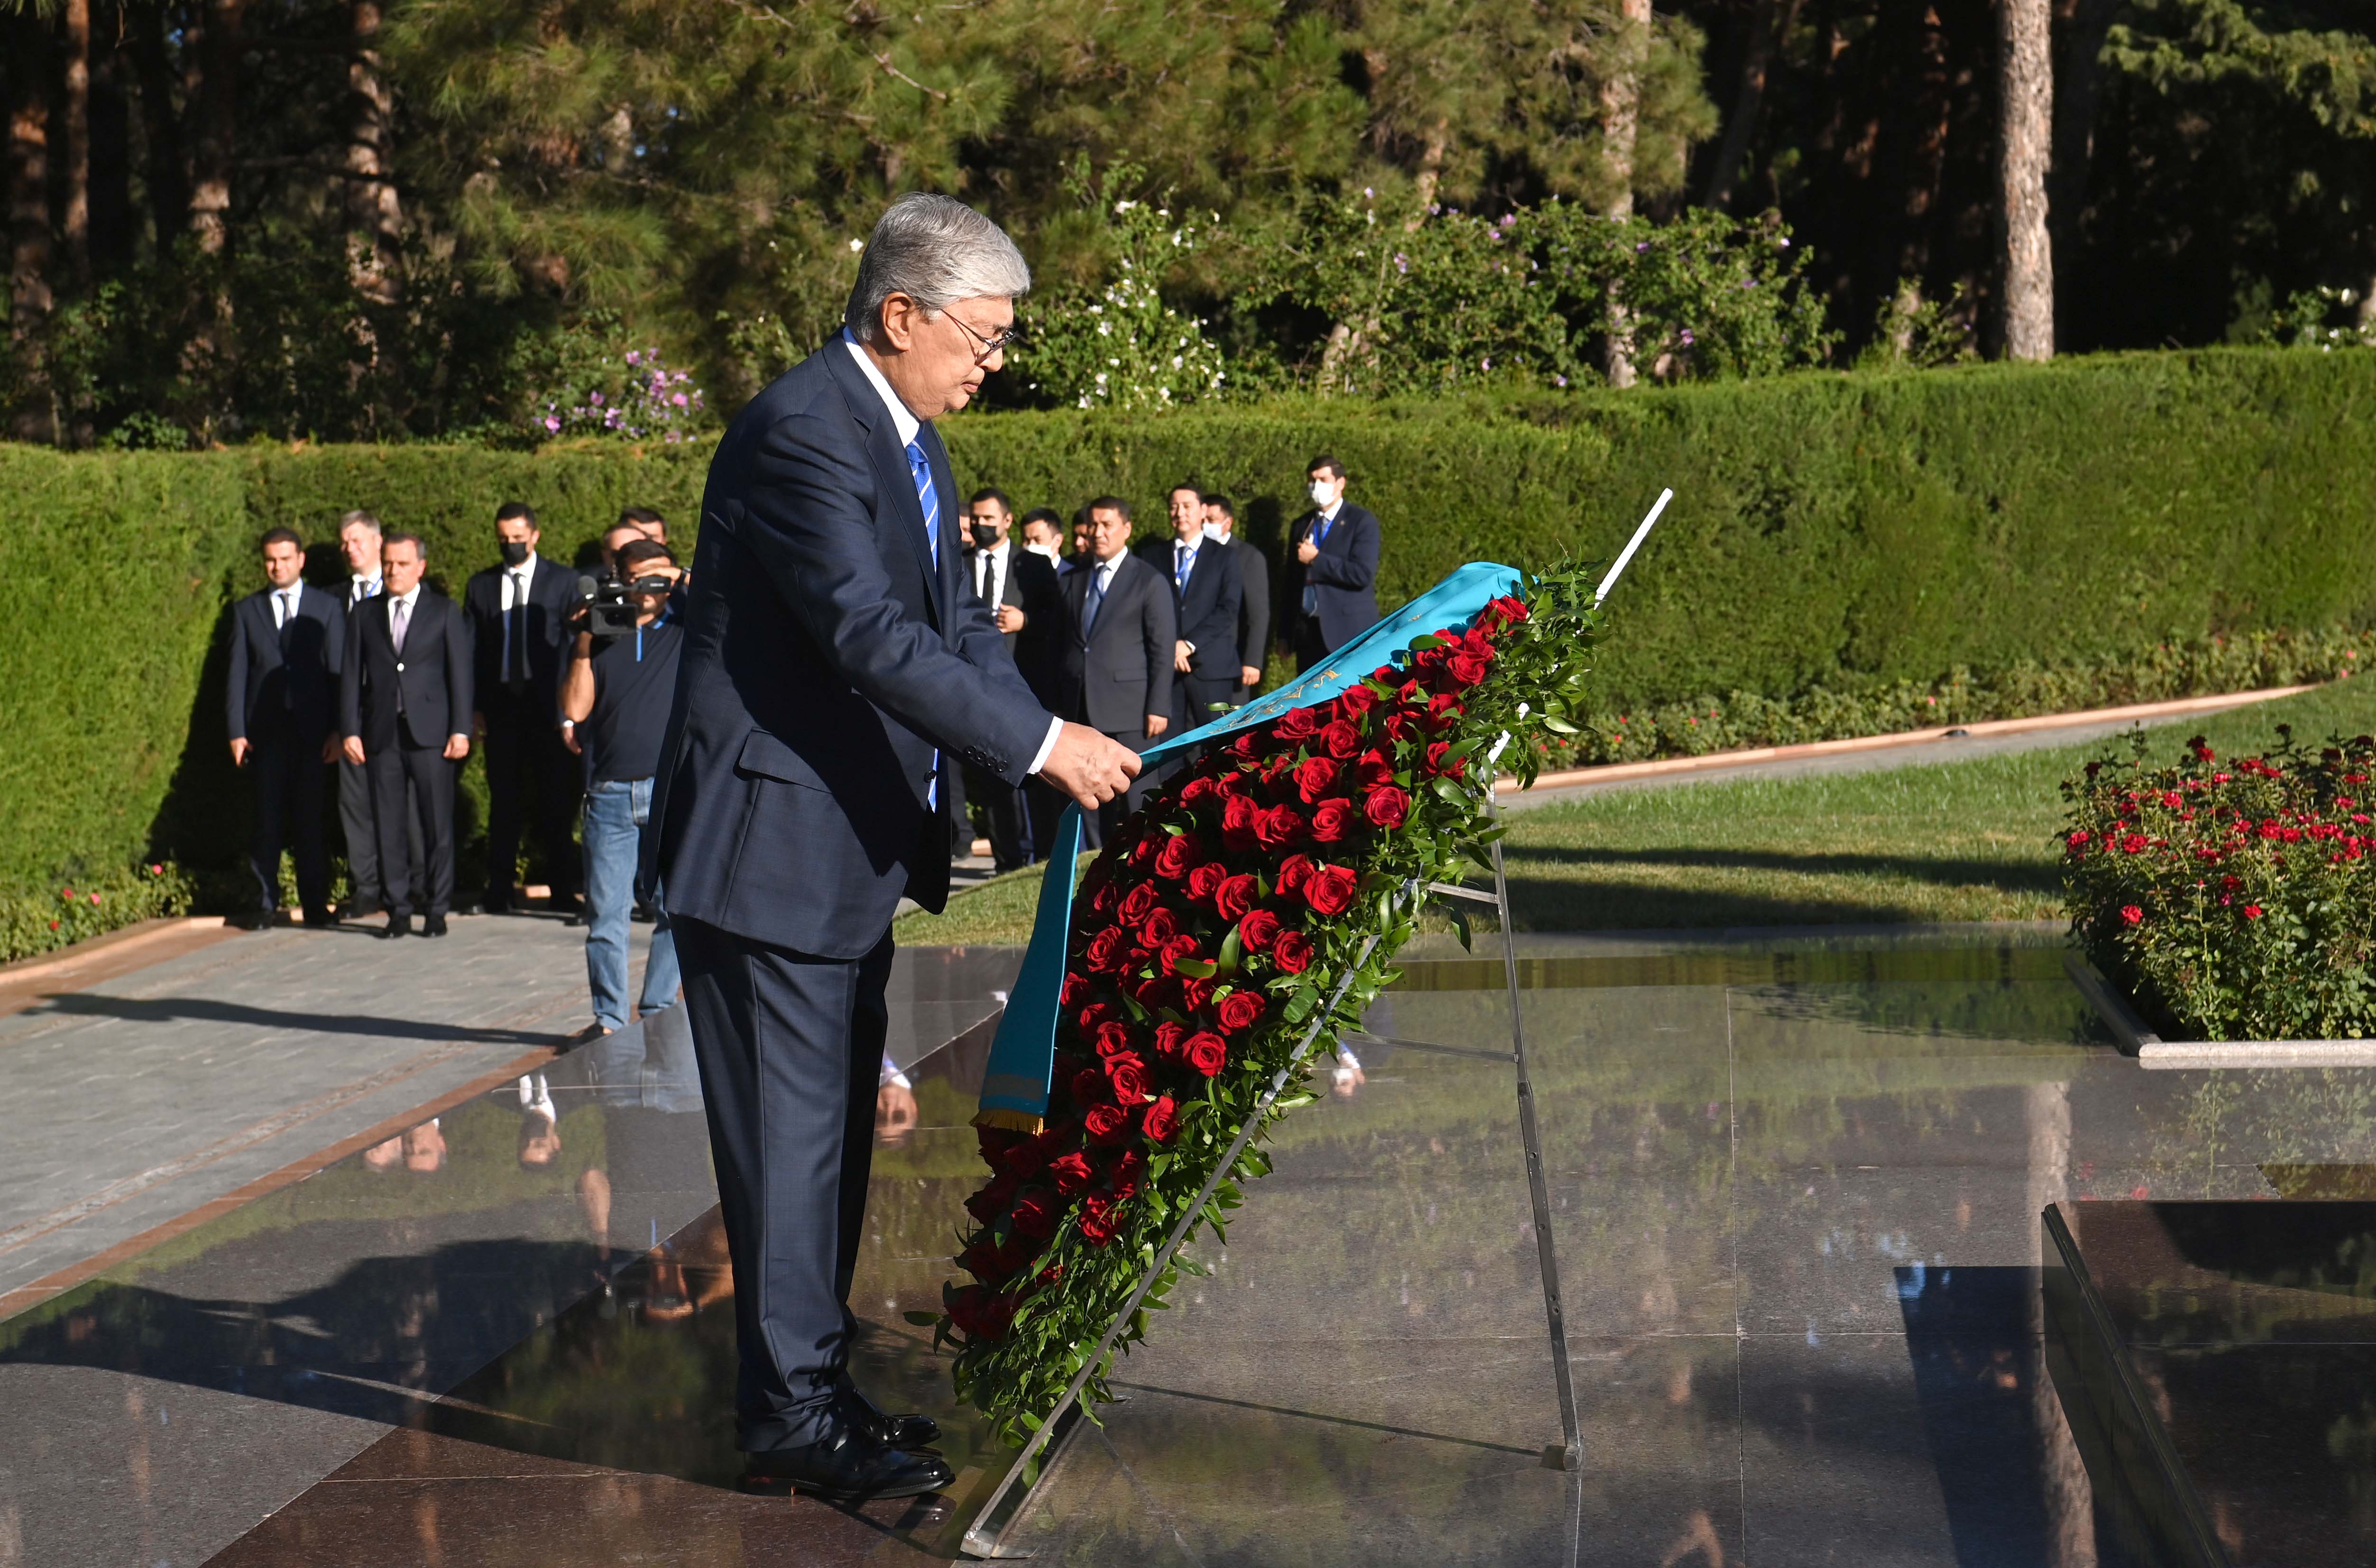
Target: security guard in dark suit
519, 615
1019, 590
287, 642
1333, 595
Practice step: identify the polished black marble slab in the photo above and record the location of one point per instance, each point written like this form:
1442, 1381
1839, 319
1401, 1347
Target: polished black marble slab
2218, 1363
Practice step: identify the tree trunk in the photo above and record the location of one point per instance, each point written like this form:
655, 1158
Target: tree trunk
74, 228
110, 152
2025, 78
1431, 170
163, 172
1769, 28
1621, 120
211, 91
374, 214
30, 294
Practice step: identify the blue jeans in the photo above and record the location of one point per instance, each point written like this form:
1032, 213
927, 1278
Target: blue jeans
616, 814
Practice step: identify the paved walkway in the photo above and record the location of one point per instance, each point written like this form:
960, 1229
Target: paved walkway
146, 1095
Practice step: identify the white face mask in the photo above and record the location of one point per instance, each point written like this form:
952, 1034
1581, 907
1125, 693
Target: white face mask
1048, 550
1323, 492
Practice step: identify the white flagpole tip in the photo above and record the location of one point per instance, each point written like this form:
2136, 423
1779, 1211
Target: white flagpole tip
1631, 546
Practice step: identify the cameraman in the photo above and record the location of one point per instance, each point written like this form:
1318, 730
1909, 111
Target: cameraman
615, 705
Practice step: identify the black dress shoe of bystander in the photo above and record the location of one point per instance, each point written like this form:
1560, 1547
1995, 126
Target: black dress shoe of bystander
432, 925
847, 1467
399, 925
892, 1431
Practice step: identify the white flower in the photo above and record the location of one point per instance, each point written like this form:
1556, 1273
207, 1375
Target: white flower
854, 244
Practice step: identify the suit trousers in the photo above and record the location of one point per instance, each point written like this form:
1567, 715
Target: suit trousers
405, 881
360, 825
288, 775
1312, 650
529, 775
790, 1048
1097, 829
1008, 818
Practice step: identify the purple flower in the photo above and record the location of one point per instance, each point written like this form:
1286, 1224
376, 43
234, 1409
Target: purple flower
552, 424
678, 399
1687, 337
595, 398
631, 356
1640, 248
1558, 380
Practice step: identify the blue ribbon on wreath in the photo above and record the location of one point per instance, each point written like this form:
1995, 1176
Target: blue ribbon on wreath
1015, 1088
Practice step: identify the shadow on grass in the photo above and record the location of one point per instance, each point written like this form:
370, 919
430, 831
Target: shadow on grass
1559, 887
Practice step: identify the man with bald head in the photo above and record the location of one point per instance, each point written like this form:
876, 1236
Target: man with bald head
836, 669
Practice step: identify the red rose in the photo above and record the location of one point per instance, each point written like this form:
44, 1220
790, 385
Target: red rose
1457, 768
1355, 700
1096, 1013
1122, 1177
1196, 992
1443, 707
1292, 951
1158, 928
1330, 819
1245, 745
1177, 857
1096, 1221
1111, 1039
1258, 931
994, 1142
1313, 778
1168, 1035
1238, 1011
1102, 901
1142, 849
1161, 1121
1104, 948
990, 1201
1159, 993
1330, 889
1341, 738
1106, 1122
984, 1260
1291, 873
1196, 789
1168, 957
1138, 903
1128, 1075
1206, 880
1026, 1158
1372, 771
1238, 824
1387, 807
1208, 1053
1296, 724
1277, 828
1072, 1172
1399, 724
1511, 610
1088, 1087
1076, 990
1234, 896
1036, 1212
1466, 667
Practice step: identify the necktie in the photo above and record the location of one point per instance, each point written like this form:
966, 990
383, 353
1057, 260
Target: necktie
1095, 600
990, 579
928, 498
403, 617
284, 609
1184, 560
515, 629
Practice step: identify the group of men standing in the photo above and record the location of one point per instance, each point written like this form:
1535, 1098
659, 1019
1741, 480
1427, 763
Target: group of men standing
1142, 642
392, 682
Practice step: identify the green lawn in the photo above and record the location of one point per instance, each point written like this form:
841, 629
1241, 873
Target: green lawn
1953, 841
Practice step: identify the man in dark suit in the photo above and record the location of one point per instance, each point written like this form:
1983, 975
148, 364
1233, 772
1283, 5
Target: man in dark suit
360, 541
1254, 601
1206, 594
404, 695
1116, 669
286, 645
519, 614
834, 670
1333, 585
1019, 590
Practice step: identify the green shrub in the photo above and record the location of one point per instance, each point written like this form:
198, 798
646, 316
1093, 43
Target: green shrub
36, 920
2233, 900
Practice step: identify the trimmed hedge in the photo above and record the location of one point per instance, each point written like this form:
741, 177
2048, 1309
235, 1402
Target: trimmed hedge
1847, 531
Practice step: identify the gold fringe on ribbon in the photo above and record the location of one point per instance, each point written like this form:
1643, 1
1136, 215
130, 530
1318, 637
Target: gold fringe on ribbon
1012, 1121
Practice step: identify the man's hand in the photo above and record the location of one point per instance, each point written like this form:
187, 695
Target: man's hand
239, 751
355, 750
569, 738
329, 748
1157, 724
1008, 618
895, 1114
1180, 652
1307, 552
1089, 767
1248, 677
457, 747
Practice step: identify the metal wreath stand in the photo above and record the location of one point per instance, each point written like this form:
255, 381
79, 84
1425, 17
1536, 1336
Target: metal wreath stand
986, 1536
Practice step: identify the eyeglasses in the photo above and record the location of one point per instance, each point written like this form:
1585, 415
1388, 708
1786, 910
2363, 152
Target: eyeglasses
990, 347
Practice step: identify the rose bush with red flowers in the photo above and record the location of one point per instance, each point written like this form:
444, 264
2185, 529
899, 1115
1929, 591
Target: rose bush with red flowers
1203, 942
2231, 900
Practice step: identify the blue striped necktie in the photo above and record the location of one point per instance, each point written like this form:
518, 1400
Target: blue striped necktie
929, 498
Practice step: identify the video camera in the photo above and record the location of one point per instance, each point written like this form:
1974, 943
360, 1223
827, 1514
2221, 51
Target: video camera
608, 602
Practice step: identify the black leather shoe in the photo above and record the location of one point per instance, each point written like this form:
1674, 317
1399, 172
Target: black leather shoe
355, 912
399, 925
432, 925
492, 904
319, 919
847, 1467
891, 1431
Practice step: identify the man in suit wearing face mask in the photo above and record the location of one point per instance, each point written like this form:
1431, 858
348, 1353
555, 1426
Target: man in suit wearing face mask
1332, 586
1018, 588
1253, 597
1205, 593
519, 613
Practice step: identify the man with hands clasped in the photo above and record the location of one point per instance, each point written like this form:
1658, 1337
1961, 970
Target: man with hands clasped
1206, 595
1333, 595
1116, 664
286, 644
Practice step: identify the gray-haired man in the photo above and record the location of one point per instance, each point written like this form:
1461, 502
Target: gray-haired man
835, 671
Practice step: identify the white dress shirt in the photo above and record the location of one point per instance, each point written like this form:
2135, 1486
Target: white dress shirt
411, 602
360, 589
998, 555
906, 424
284, 605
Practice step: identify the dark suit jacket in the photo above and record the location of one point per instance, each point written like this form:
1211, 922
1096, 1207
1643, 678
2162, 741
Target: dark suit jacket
1206, 610
1254, 604
828, 657
433, 675
1028, 583
1122, 671
284, 681
551, 594
1345, 573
